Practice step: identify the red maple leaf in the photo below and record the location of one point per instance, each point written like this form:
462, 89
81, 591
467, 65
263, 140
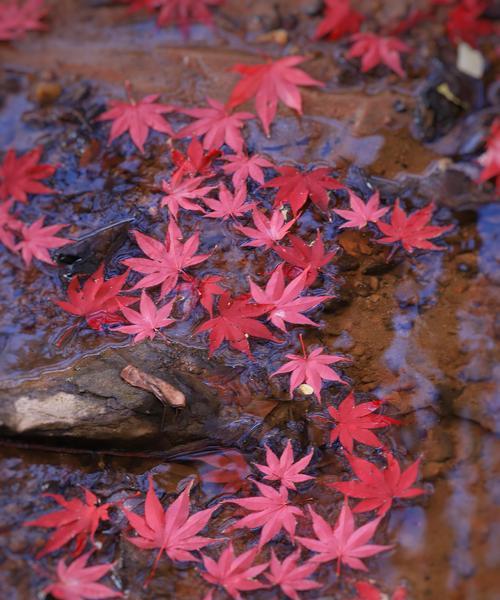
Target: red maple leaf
185, 12
148, 321
166, 260
17, 17
21, 176
490, 160
267, 230
241, 167
230, 470
76, 519
285, 303
355, 422
97, 301
37, 239
228, 204
76, 581
284, 469
137, 117
339, 20
295, 187
343, 542
8, 225
311, 369
269, 83
217, 125
196, 161
202, 291
367, 591
271, 511
291, 576
412, 231
464, 22
234, 573
172, 531
375, 50
235, 323
180, 191
378, 488
306, 256
361, 214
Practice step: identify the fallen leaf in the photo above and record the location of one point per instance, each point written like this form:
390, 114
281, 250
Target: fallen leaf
21, 176
283, 469
229, 204
243, 167
17, 18
166, 393
36, 240
268, 230
180, 192
375, 50
339, 20
148, 321
292, 576
361, 214
490, 160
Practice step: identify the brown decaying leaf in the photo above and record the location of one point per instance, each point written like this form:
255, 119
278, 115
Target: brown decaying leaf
166, 393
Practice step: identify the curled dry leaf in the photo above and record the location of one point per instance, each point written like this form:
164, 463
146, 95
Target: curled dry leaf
166, 393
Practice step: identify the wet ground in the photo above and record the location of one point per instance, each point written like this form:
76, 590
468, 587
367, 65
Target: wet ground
421, 331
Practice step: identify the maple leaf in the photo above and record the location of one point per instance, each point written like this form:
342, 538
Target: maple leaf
8, 225
148, 321
21, 176
37, 239
267, 230
270, 511
367, 591
464, 22
311, 369
379, 487
172, 531
17, 18
284, 469
196, 160
490, 160
291, 576
285, 303
166, 260
137, 117
241, 167
235, 323
76, 519
217, 126
412, 231
97, 300
230, 470
76, 581
228, 204
343, 542
306, 256
339, 20
295, 187
355, 422
375, 49
185, 12
361, 214
202, 291
234, 573
180, 191
269, 83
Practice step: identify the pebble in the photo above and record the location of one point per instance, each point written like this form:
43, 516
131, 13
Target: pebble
47, 92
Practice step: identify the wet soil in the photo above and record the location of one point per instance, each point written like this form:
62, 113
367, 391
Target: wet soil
421, 331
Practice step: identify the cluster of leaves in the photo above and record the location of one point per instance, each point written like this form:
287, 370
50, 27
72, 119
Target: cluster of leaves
17, 17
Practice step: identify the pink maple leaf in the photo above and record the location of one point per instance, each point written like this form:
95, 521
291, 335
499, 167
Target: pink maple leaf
217, 125
284, 469
355, 422
166, 261
17, 18
490, 160
375, 49
344, 542
21, 176
196, 161
201, 290
234, 573
269, 83
9, 224
230, 469
295, 187
268, 230
367, 591
180, 191
311, 369
285, 303
184, 12
377, 488
37, 239
76, 581
291, 576
465, 23
76, 519
361, 214
229, 204
242, 167
412, 231
148, 321
270, 511
137, 117
339, 20
171, 531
